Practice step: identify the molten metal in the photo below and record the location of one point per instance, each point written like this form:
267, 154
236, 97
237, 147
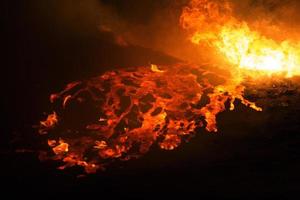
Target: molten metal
136, 109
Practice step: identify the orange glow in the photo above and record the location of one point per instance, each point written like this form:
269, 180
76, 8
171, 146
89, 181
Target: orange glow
212, 22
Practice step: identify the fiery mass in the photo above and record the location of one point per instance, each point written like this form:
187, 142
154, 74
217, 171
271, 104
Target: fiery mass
121, 114
212, 22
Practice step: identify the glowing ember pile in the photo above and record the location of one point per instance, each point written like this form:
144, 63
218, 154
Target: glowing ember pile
212, 22
132, 110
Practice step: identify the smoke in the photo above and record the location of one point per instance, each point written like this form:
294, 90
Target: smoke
155, 24
278, 19
151, 24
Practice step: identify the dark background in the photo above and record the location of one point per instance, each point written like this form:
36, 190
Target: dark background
255, 154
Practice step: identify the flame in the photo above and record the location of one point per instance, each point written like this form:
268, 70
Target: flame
154, 68
136, 109
61, 148
48, 124
212, 22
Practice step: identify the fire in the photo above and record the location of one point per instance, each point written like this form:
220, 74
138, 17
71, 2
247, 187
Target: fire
212, 22
154, 68
48, 124
61, 148
134, 110
130, 110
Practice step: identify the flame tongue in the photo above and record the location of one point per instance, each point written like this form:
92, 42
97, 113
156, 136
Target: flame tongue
135, 109
213, 22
